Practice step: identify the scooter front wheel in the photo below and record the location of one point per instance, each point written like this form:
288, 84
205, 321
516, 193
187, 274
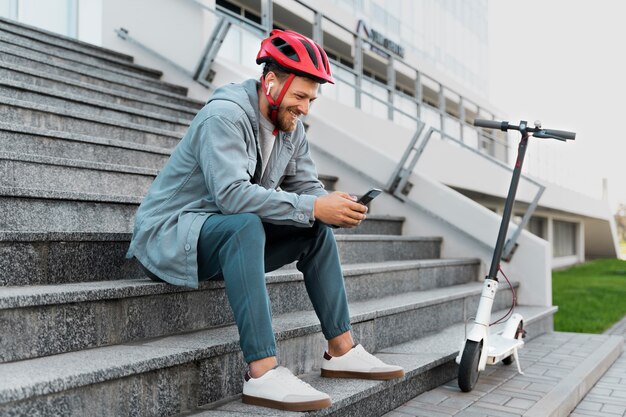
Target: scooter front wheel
468, 368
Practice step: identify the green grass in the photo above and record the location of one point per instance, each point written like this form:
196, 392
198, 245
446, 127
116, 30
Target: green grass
591, 297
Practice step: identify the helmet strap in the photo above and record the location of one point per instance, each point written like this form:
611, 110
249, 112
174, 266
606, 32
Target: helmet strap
275, 104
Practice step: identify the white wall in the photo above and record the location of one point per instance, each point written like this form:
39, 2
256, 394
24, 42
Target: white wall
176, 29
90, 14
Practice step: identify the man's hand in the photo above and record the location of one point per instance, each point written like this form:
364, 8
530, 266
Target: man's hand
339, 209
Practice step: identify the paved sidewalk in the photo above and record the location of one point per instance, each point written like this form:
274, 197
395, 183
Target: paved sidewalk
608, 396
548, 360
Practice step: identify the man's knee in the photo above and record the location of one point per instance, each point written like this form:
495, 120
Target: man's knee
248, 224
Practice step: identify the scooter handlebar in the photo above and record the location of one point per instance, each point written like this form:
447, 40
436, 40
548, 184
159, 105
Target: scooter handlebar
561, 133
490, 124
539, 132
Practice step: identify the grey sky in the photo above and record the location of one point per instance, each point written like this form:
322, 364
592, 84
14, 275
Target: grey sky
564, 62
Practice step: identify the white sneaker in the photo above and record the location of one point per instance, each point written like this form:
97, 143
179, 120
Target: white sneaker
279, 388
358, 363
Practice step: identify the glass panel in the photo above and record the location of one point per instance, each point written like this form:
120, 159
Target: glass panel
452, 127
53, 15
404, 120
376, 102
343, 91
564, 243
431, 117
536, 226
470, 137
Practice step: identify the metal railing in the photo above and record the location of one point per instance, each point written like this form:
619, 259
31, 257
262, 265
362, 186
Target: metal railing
398, 184
261, 30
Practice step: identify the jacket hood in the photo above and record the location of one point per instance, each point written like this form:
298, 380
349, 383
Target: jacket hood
245, 96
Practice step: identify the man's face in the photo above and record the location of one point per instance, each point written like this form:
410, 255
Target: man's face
296, 102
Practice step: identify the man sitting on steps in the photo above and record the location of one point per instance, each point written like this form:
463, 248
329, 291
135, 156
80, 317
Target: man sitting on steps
240, 197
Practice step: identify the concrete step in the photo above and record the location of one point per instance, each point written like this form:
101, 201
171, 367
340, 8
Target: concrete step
31, 142
149, 309
376, 224
559, 368
427, 361
44, 96
61, 40
10, 35
31, 210
40, 61
379, 248
55, 118
178, 373
89, 68
30, 171
20, 138
66, 85
39, 257
43, 172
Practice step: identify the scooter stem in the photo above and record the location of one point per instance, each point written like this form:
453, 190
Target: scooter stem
508, 206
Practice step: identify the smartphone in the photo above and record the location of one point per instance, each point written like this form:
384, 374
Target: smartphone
369, 196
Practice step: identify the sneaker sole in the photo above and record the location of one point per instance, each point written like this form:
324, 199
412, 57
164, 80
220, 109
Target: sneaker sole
280, 405
379, 376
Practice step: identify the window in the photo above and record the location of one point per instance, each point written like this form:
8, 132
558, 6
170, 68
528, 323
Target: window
536, 226
564, 243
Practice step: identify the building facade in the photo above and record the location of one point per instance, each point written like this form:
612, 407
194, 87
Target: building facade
410, 63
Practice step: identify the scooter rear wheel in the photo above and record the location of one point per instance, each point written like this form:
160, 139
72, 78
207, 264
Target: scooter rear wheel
468, 368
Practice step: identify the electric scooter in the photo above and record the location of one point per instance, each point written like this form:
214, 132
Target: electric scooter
480, 347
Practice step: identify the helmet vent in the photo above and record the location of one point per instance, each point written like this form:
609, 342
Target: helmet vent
285, 49
311, 53
324, 59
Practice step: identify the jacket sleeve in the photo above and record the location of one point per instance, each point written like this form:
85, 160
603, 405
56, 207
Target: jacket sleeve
220, 148
305, 180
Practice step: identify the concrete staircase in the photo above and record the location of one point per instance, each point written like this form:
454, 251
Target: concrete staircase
83, 133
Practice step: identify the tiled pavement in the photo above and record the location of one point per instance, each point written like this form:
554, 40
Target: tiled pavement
608, 396
549, 360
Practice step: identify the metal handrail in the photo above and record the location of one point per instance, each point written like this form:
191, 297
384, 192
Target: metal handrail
367, 93
398, 184
396, 57
260, 30
480, 133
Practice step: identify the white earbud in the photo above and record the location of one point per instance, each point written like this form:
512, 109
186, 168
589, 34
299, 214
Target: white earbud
269, 86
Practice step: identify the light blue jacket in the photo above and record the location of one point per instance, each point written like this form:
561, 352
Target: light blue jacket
215, 169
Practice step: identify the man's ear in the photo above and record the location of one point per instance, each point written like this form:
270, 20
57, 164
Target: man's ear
270, 81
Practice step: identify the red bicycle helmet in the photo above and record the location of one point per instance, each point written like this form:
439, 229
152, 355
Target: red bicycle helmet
297, 55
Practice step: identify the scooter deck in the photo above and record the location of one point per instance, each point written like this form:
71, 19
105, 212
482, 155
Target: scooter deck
501, 347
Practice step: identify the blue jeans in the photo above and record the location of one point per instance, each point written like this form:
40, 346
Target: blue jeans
240, 249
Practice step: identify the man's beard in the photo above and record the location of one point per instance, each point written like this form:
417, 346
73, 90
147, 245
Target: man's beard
286, 120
